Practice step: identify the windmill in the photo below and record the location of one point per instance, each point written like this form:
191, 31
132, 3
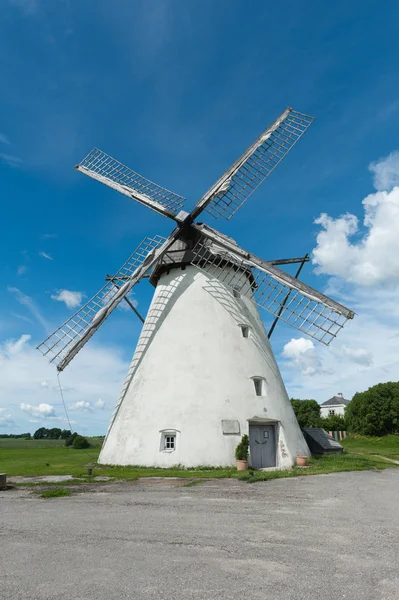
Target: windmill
203, 372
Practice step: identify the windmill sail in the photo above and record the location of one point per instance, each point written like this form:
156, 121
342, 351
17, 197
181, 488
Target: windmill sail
62, 345
306, 309
237, 184
110, 172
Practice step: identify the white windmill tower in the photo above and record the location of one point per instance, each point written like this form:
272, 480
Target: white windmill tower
203, 372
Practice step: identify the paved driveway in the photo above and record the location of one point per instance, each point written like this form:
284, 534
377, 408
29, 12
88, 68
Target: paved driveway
328, 537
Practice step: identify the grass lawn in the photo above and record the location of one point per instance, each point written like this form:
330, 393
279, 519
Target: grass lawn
385, 446
44, 457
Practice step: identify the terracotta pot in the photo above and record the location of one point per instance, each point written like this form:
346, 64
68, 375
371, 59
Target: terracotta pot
301, 461
242, 465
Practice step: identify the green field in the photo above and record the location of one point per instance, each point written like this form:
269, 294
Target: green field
51, 457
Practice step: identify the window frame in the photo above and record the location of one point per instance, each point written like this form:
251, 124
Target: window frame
258, 380
168, 433
245, 329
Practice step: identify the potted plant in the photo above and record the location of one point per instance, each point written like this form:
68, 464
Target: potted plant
301, 461
242, 451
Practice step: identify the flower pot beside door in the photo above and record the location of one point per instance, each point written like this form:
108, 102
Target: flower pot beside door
242, 451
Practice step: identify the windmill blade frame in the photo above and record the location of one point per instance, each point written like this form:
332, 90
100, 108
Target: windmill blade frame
306, 309
107, 170
66, 341
251, 169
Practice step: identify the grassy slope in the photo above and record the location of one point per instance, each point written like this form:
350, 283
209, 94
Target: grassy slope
385, 446
32, 459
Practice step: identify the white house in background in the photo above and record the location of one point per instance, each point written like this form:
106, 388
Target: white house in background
334, 406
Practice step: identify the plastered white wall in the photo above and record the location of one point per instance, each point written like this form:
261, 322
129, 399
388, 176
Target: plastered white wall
338, 410
192, 369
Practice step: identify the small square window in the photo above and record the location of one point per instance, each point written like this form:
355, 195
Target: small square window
170, 442
331, 412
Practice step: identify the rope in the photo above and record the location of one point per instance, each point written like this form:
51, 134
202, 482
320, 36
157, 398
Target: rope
67, 416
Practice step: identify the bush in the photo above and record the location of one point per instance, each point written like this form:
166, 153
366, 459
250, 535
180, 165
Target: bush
375, 411
334, 423
80, 443
242, 449
70, 440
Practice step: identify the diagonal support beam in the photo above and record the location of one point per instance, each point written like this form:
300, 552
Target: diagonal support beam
276, 320
134, 309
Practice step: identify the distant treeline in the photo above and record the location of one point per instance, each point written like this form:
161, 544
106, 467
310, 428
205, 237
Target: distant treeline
16, 435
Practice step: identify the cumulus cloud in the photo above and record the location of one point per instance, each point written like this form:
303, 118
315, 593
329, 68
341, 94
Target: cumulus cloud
83, 405
364, 257
42, 410
6, 418
13, 347
386, 172
365, 352
71, 299
45, 255
358, 355
28, 378
100, 404
300, 353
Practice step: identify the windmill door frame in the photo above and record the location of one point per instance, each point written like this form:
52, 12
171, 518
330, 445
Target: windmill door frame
263, 444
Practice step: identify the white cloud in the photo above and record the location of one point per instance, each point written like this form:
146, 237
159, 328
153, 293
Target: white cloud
45, 255
96, 372
81, 405
4, 139
13, 347
10, 160
100, 404
386, 172
22, 269
44, 384
300, 353
365, 352
30, 305
6, 418
367, 257
42, 410
358, 355
71, 299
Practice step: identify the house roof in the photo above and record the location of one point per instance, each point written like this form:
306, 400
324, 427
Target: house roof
336, 401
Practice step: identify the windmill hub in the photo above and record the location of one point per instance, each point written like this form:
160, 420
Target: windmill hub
203, 372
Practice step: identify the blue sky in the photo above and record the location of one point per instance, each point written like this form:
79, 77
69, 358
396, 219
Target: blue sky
177, 91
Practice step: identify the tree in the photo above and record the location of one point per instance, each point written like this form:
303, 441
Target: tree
65, 433
41, 433
307, 412
375, 411
80, 443
55, 433
334, 423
